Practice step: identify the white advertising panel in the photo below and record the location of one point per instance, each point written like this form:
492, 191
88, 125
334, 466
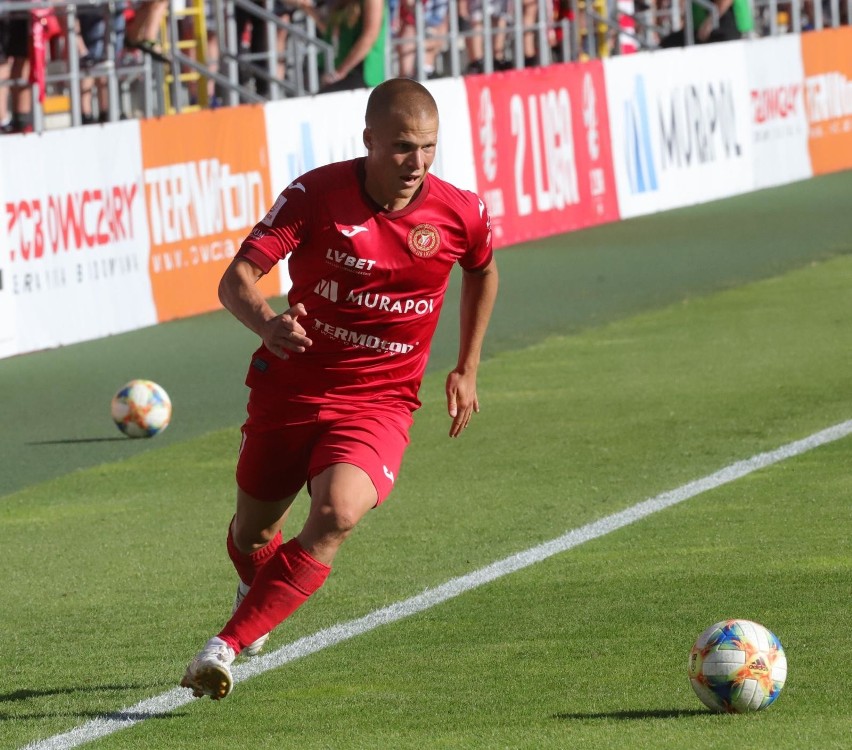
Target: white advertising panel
306, 133
77, 240
779, 121
8, 312
680, 126
454, 157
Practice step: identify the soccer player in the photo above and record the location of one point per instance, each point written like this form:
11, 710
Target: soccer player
371, 244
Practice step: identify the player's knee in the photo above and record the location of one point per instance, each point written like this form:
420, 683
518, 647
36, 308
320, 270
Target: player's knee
336, 520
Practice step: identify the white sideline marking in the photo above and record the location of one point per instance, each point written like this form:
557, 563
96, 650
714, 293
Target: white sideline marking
162, 704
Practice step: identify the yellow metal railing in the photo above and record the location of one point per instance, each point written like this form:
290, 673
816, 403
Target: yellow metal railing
193, 45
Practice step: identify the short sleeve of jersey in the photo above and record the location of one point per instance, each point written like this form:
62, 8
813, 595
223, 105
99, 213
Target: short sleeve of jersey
478, 222
281, 231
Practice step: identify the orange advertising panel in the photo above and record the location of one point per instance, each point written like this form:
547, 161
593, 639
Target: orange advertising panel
206, 186
827, 59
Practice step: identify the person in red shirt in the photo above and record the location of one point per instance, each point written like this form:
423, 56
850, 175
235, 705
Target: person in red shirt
371, 243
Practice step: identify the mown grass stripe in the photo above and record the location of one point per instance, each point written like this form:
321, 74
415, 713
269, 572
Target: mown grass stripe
173, 699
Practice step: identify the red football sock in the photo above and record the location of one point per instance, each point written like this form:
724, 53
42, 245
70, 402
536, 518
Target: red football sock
279, 588
247, 565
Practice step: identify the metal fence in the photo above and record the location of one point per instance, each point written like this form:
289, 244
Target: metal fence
428, 38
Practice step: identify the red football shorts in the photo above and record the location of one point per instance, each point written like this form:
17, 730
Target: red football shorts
277, 459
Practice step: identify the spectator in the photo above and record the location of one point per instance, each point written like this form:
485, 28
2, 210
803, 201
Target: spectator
285, 13
735, 19
530, 18
471, 20
358, 31
93, 31
143, 33
252, 31
5, 74
561, 10
436, 24
15, 54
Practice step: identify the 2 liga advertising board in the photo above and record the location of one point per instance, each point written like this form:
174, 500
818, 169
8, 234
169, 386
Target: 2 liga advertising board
542, 151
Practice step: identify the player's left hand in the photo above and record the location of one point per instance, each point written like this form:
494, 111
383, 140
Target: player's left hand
461, 400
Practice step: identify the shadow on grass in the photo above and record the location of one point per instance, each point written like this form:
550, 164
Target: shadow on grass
630, 715
120, 715
25, 694
72, 441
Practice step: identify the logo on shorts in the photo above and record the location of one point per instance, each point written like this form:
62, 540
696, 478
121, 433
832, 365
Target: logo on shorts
424, 241
388, 473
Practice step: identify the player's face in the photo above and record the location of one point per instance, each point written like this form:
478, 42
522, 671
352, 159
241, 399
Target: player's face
400, 151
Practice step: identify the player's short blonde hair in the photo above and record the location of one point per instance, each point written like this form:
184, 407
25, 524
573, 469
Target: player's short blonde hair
399, 95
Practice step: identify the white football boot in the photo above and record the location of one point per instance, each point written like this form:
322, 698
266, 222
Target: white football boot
209, 673
254, 648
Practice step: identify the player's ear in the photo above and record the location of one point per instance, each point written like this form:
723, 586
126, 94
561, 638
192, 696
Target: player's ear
368, 138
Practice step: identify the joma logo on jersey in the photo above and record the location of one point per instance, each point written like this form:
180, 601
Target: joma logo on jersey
347, 260
383, 302
327, 289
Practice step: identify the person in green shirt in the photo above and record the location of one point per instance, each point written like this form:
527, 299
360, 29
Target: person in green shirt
735, 19
358, 31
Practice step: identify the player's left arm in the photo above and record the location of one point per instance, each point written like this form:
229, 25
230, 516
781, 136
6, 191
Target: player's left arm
479, 290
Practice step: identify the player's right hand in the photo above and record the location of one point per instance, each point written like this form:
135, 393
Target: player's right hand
283, 334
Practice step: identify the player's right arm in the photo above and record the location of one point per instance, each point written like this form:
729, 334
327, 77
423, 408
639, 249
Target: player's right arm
239, 294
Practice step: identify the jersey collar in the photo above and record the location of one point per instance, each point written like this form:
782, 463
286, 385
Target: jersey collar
415, 202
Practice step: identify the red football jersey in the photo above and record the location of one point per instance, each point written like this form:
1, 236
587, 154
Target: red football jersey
372, 281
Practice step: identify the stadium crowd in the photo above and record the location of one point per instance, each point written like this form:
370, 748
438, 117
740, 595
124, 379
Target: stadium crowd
49, 46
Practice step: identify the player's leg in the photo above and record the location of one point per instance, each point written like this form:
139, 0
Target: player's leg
271, 469
254, 535
254, 532
352, 469
341, 495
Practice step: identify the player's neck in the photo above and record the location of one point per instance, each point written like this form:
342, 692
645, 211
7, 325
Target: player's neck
391, 202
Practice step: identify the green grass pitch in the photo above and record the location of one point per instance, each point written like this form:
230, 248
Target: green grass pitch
625, 361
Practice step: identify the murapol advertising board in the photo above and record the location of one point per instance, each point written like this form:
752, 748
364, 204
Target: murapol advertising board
680, 126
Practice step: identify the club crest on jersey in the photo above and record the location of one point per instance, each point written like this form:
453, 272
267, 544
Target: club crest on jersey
424, 240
